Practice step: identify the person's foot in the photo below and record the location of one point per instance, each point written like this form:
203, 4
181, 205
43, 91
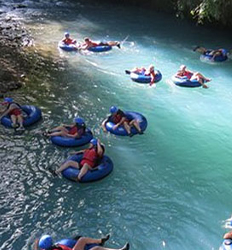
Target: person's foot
118, 45
204, 86
208, 80
126, 247
103, 240
141, 132
52, 171
46, 133
14, 125
77, 179
130, 134
21, 128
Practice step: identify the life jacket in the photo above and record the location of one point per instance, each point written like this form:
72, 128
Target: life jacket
187, 74
8, 106
91, 155
67, 41
73, 130
116, 118
17, 109
59, 247
77, 129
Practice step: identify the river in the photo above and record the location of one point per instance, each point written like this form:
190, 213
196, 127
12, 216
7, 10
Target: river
170, 188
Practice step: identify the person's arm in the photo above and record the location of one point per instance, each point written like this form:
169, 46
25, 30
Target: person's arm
36, 244
99, 148
77, 152
152, 78
83, 46
178, 75
104, 124
119, 123
74, 41
76, 135
6, 112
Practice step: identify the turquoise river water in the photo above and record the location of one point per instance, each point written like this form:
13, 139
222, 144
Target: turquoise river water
170, 188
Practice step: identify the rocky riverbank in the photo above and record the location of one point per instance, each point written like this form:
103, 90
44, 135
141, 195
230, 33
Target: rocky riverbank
20, 62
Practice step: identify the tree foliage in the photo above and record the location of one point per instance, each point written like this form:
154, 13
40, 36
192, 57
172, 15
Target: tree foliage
207, 10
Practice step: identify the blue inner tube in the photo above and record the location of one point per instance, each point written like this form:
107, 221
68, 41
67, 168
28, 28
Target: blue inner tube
73, 142
65, 47
130, 115
71, 243
100, 48
33, 115
185, 82
104, 168
142, 78
226, 245
220, 58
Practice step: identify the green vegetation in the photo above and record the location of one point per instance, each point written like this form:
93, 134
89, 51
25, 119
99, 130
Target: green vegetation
206, 10
203, 11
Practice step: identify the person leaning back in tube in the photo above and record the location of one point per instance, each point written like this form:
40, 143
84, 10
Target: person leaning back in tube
46, 243
14, 110
192, 76
119, 118
67, 40
90, 159
211, 52
228, 236
75, 130
90, 44
147, 72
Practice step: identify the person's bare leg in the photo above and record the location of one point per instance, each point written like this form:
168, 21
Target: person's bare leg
83, 241
13, 119
20, 120
197, 74
58, 133
125, 247
83, 171
136, 125
61, 128
127, 128
200, 80
67, 164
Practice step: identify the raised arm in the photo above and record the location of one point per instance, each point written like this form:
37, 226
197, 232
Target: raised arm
100, 150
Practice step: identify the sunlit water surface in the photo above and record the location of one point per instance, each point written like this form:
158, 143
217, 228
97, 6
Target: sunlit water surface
171, 187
